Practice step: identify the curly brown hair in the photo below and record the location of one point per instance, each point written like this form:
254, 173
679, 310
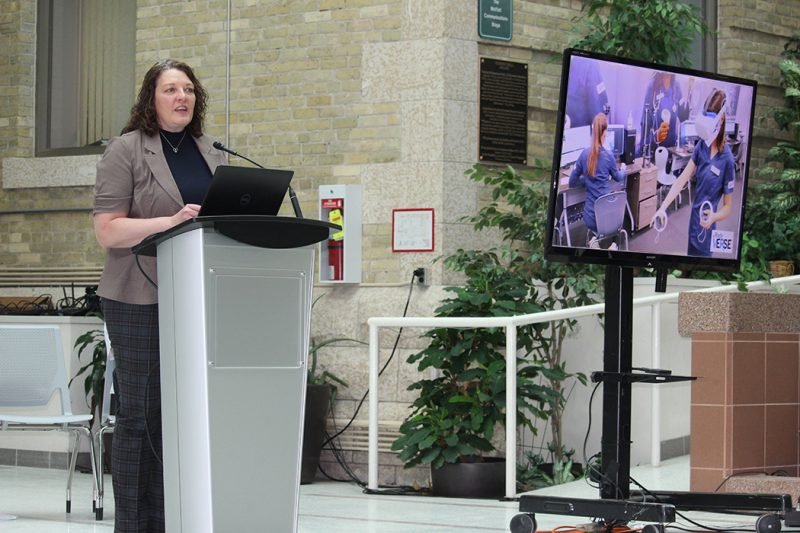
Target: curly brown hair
143, 113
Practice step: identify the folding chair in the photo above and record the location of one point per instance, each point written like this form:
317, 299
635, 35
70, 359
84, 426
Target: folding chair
32, 369
107, 421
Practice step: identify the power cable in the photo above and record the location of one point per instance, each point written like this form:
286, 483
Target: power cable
337, 451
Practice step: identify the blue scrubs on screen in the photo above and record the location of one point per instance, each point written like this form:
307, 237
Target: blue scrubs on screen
662, 98
714, 178
597, 185
587, 94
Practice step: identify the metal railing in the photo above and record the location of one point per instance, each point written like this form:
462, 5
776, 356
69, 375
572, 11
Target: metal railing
510, 324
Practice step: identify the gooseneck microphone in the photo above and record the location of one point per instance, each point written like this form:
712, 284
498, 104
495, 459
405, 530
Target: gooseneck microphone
292, 196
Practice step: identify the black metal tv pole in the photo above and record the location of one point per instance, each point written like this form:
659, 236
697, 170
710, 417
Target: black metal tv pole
615, 445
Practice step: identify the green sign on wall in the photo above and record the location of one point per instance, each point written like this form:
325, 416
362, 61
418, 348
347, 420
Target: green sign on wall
495, 19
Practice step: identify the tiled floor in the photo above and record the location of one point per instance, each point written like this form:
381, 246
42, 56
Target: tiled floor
36, 497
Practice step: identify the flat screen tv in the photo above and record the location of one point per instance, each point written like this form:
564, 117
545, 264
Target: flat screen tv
650, 165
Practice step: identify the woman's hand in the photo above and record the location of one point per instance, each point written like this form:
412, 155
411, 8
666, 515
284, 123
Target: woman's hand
188, 212
707, 218
660, 217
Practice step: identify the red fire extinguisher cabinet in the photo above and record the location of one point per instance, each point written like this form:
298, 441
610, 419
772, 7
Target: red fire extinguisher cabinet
340, 255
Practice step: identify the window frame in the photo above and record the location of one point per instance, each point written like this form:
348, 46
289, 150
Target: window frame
43, 88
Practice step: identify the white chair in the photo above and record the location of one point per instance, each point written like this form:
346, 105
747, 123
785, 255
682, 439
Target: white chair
666, 179
107, 421
32, 370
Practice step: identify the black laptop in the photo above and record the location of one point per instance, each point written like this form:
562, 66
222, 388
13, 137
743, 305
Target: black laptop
245, 191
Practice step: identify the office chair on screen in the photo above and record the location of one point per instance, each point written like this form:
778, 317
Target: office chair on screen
32, 370
609, 213
107, 422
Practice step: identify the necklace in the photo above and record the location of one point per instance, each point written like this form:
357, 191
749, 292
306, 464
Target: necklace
174, 148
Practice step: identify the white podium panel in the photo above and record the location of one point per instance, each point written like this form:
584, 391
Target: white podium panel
234, 322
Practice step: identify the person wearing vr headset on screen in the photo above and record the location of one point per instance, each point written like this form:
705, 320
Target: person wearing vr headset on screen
712, 164
595, 169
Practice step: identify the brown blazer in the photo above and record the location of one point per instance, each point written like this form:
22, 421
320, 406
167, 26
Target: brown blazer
133, 177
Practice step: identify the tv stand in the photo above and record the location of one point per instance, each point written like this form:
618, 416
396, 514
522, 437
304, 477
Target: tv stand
616, 504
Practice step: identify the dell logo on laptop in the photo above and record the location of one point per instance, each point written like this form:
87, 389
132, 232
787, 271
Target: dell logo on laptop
245, 199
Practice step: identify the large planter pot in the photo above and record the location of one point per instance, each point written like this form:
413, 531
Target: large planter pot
318, 401
781, 268
485, 479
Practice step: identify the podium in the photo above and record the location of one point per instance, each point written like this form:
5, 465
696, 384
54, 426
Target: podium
234, 297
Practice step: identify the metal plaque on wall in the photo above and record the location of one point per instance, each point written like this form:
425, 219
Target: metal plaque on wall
503, 113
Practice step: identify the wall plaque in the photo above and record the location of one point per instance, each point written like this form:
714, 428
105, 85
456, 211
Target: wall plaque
503, 113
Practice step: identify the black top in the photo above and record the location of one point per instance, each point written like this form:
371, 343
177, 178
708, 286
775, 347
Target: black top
189, 169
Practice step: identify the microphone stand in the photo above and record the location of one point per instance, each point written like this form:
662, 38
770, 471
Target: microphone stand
292, 196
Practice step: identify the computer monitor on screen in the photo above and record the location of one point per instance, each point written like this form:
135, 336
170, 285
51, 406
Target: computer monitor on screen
732, 128
615, 139
688, 133
575, 141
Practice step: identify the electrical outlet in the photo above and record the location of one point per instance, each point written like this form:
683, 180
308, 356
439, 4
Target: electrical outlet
422, 275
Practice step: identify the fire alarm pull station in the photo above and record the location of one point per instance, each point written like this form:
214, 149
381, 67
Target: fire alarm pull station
340, 255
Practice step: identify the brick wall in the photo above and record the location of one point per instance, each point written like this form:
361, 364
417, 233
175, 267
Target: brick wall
751, 37
17, 45
296, 94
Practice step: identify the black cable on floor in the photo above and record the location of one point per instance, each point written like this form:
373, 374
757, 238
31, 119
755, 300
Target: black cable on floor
338, 452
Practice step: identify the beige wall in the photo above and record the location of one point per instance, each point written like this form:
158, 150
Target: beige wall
381, 93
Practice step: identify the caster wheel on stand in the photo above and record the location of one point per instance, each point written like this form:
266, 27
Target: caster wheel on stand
768, 523
523, 523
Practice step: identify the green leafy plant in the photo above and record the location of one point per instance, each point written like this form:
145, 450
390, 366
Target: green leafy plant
316, 376
519, 211
532, 472
325, 377
773, 216
660, 31
94, 344
456, 413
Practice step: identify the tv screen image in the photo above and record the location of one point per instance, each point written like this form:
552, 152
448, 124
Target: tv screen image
650, 164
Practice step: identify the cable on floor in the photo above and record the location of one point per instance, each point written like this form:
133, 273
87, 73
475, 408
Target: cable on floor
331, 441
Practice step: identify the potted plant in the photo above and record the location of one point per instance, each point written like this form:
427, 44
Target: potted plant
321, 387
535, 473
94, 344
773, 215
659, 32
455, 416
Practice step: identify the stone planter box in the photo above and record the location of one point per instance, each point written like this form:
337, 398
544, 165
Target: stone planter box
745, 403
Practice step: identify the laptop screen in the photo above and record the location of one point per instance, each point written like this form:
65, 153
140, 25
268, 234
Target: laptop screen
245, 191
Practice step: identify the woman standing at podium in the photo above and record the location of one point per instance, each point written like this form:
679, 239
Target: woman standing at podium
151, 178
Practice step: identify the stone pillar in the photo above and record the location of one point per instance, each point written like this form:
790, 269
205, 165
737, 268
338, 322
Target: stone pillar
746, 402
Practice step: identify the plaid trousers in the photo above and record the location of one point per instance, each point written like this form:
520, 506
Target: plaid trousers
136, 463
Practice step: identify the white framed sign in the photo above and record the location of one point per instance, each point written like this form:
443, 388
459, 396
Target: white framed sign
412, 230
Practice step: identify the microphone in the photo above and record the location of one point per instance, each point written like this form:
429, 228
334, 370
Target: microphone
292, 196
